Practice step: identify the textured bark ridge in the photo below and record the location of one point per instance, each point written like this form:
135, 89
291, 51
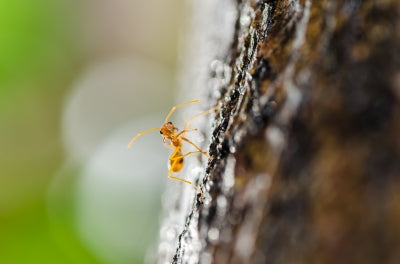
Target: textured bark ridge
306, 144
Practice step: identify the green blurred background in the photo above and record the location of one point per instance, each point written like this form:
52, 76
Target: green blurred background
77, 80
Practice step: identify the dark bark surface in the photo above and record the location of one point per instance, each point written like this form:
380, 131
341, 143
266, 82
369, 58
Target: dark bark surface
306, 144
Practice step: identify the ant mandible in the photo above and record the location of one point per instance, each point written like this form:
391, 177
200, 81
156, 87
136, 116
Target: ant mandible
173, 139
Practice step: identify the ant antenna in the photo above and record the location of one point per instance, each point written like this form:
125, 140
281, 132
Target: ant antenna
198, 115
141, 134
177, 106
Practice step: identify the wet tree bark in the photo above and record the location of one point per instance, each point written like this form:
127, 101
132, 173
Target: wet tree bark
305, 148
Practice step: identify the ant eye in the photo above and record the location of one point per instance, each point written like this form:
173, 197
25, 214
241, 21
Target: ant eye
160, 132
170, 122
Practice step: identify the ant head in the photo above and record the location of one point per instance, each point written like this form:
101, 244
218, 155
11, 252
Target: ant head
168, 129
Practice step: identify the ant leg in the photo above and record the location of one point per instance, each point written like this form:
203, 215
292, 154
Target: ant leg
175, 158
195, 146
176, 150
198, 115
183, 180
184, 155
186, 130
177, 106
141, 134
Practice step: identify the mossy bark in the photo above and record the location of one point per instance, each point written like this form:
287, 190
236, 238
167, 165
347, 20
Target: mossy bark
306, 145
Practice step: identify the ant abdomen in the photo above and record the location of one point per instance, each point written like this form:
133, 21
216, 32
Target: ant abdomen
176, 161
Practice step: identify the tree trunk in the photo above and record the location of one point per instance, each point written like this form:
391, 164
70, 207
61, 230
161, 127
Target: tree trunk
305, 147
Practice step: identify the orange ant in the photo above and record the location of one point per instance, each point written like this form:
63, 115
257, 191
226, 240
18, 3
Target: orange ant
170, 132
